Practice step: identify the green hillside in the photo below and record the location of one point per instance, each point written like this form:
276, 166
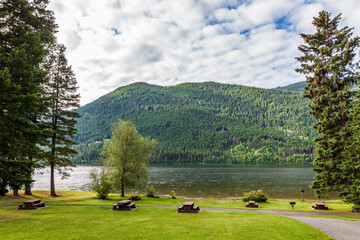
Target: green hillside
204, 123
299, 86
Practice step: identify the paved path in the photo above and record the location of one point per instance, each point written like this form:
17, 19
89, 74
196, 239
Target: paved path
335, 228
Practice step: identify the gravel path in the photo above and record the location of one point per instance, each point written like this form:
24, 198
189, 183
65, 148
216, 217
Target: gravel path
335, 228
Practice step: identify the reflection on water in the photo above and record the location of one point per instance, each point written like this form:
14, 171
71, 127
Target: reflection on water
204, 181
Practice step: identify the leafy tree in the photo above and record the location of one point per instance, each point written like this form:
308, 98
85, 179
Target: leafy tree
26, 29
327, 62
127, 155
101, 182
64, 100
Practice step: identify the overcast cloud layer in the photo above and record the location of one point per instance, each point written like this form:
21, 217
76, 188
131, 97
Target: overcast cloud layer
112, 43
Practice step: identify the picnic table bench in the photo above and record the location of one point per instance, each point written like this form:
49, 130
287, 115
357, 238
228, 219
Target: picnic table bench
252, 204
31, 204
319, 206
124, 205
135, 198
188, 207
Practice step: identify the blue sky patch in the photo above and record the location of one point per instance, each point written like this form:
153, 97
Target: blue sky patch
115, 31
282, 23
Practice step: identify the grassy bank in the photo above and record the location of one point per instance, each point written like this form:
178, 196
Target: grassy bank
99, 222
89, 198
348, 218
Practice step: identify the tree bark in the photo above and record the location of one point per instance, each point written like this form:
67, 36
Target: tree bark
52, 180
28, 185
2, 190
16, 192
29, 178
122, 187
28, 189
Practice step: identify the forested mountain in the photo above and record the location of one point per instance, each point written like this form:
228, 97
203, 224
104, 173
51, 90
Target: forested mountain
204, 123
299, 86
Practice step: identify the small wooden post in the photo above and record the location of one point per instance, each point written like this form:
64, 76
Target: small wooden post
302, 195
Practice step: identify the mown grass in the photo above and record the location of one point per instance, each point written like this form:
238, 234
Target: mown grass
89, 198
98, 222
348, 218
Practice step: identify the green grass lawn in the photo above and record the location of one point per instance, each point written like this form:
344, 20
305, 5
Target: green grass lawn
349, 218
98, 222
89, 198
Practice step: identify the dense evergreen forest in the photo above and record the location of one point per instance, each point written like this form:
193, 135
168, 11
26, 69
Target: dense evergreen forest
299, 86
204, 123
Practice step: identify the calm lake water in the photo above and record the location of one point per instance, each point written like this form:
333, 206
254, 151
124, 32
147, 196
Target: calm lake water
204, 181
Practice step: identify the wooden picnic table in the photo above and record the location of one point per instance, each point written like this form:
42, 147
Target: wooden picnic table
135, 198
124, 202
124, 205
252, 204
31, 204
320, 206
188, 207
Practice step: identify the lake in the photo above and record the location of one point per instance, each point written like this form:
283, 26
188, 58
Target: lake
203, 181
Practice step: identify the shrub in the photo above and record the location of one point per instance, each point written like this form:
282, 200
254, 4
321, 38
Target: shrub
173, 194
150, 191
257, 196
100, 183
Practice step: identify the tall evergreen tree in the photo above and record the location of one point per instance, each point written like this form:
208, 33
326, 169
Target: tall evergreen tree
26, 29
327, 62
63, 102
351, 165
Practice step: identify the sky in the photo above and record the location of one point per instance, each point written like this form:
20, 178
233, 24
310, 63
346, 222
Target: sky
112, 43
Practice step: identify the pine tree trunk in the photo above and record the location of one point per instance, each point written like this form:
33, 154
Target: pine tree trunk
52, 180
122, 188
52, 164
28, 184
2, 190
16, 192
29, 178
28, 189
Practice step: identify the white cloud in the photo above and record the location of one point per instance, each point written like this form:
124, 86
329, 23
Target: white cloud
165, 42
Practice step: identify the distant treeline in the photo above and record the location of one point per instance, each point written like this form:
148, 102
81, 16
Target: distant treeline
204, 123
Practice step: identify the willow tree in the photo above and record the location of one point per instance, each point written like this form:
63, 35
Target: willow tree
328, 63
64, 100
127, 156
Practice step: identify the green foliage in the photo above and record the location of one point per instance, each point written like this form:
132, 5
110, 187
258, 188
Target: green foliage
202, 122
330, 73
259, 151
294, 87
352, 160
101, 183
88, 154
173, 194
257, 196
26, 30
62, 117
127, 155
150, 192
